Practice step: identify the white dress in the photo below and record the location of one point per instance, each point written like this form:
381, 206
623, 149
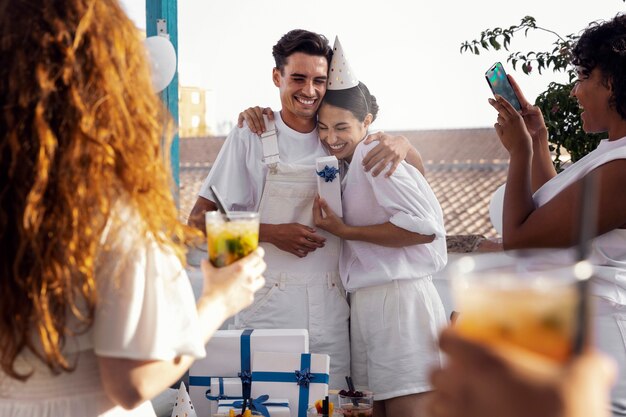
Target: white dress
146, 311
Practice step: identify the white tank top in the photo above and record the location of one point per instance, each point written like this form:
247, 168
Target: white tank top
608, 252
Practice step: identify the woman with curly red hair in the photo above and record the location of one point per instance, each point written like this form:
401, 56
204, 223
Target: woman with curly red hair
96, 312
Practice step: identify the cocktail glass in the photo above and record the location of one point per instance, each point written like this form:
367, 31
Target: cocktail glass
528, 300
232, 238
357, 406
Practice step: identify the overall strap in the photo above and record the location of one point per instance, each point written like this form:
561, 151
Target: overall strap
269, 141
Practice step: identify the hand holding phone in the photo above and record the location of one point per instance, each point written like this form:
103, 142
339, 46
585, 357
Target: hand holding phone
499, 84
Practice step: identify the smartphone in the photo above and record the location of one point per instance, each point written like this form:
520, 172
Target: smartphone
499, 84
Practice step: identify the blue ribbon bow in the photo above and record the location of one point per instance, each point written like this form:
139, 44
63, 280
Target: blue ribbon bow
328, 173
304, 377
259, 404
303, 374
246, 377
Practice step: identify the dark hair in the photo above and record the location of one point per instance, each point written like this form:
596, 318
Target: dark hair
300, 40
357, 100
603, 46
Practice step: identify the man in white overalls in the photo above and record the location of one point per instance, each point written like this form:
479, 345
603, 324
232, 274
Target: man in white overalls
276, 176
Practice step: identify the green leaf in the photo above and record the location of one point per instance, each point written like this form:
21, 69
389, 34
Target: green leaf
494, 43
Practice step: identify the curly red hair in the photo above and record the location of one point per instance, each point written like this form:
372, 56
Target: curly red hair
80, 128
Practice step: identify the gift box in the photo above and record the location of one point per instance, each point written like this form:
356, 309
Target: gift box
223, 389
329, 182
229, 353
265, 405
302, 378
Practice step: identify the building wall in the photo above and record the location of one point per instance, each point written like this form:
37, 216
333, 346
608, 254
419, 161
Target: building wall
193, 112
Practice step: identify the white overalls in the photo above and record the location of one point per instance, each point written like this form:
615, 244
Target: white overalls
300, 292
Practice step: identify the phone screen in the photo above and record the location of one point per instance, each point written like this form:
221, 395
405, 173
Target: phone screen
499, 83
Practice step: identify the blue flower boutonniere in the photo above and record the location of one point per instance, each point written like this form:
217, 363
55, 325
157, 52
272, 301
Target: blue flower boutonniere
328, 173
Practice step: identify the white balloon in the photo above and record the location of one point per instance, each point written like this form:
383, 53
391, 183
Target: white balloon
162, 57
496, 206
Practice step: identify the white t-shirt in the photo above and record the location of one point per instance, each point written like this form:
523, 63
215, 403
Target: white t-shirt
239, 172
404, 199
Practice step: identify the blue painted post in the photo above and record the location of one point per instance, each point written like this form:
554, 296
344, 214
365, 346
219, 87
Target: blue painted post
168, 10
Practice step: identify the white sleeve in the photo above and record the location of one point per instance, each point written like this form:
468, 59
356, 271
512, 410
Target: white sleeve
229, 174
146, 307
408, 196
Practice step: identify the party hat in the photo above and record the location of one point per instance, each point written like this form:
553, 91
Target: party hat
183, 406
340, 76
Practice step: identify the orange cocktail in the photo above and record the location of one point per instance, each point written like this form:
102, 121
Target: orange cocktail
230, 240
517, 302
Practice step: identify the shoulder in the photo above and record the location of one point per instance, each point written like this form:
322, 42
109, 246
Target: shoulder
362, 149
241, 140
242, 134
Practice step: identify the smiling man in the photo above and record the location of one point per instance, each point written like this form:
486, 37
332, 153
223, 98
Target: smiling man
303, 288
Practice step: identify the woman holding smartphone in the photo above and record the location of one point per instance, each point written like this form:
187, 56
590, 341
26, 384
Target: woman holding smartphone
393, 240
540, 207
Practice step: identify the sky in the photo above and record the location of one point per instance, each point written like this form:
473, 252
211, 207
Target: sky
407, 52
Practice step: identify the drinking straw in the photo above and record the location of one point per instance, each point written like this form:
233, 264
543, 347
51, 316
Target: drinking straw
355, 402
586, 231
349, 382
220, 203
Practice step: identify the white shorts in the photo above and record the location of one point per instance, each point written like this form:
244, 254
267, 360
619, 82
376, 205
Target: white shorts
394, 332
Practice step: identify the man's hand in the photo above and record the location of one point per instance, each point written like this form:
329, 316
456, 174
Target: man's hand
294, 238
390, 149
253, 116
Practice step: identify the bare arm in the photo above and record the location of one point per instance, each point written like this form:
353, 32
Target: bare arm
414, 158
293, 238
227, 290
542, 169
385, 234
196, 217
555, 223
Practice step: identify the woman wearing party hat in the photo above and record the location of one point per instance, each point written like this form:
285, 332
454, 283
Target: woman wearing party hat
393, 241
